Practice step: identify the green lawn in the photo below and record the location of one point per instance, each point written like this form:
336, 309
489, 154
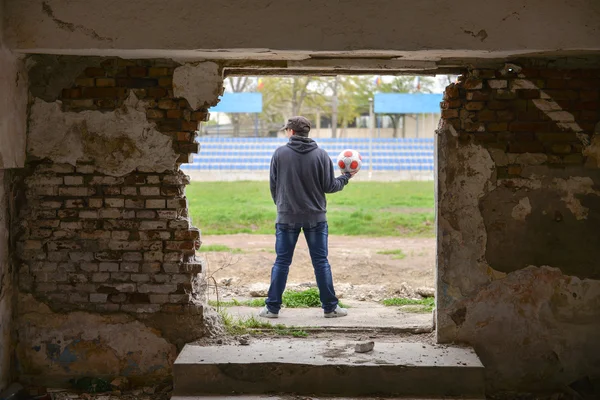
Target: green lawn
362, 208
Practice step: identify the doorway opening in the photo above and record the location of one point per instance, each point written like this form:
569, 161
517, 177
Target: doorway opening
381, 225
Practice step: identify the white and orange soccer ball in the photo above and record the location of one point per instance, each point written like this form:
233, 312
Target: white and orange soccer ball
349, 161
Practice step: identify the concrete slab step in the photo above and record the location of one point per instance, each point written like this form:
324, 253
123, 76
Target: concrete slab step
328, 368
371, 316
292, 397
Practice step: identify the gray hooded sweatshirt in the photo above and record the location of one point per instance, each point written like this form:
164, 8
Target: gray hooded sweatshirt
301, 174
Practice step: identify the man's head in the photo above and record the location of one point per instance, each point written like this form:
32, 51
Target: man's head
299, 125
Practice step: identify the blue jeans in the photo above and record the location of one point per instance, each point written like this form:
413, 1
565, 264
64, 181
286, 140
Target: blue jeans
316, 235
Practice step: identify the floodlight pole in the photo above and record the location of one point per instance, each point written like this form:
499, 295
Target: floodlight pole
371, 128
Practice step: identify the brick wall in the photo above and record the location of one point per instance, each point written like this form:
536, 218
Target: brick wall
518, 207
90, 241
526, 111
105, 88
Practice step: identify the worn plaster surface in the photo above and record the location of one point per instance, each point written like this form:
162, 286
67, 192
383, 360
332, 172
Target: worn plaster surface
374, 25
13, 105
329, 367
115, 142
515, 264
74, 344
197, 83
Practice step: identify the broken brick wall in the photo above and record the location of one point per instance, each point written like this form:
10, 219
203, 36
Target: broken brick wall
106, 247
518, 215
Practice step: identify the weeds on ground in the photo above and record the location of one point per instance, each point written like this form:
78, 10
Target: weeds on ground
303, 299
241, 326
221, 248
308, 298
418, 306
398, 254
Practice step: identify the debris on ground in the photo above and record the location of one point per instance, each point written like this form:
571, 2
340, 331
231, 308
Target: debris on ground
364, 347
425, 292
244, 340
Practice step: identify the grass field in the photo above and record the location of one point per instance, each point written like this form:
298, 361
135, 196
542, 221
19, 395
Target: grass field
362, 208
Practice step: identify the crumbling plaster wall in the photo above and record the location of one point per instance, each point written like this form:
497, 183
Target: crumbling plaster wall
107, 269
518, 211
508, 26
13, 104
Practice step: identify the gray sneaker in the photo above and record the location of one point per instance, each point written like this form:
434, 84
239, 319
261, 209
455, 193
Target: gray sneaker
265, 313
338, 312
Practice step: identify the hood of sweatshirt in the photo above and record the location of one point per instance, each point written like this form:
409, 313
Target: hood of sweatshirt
302, 144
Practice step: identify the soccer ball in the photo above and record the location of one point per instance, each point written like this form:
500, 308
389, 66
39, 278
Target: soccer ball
349, 161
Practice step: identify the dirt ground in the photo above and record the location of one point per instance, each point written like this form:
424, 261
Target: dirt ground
359, 272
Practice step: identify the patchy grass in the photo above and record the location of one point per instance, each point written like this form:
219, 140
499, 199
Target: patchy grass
362, 208
410, 305
291, 299
398, 254
241, 326
220, 248
237, 303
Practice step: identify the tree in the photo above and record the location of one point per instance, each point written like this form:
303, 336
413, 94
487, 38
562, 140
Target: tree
284, 97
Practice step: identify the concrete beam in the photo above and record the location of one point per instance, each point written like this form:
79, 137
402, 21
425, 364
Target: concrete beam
235, 29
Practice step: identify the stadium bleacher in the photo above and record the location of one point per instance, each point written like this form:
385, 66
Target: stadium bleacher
239, 154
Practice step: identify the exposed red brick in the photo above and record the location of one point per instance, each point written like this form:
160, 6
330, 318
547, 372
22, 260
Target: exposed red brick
519, 126
528, 93
473, 83
498, 105
169, 125
165, 82
74, 93
525, 147
554, 137
183, 136
137, 83
530, 72
589, 95
156, 92
137, 72
557, 83
561, 148
451, 92
486, 115
515, 170
562, 94
174, 113
167, 104
506, 115
189, 125
159, 71
474, 105
473, 126
105, 103
497, 126
478, 95
453, 113
200, 116
105, 82
97, 92
529, 115
88, 82
93, 72
155, 114
552, 73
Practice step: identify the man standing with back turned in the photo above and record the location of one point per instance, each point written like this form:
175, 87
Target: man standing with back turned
301, 174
